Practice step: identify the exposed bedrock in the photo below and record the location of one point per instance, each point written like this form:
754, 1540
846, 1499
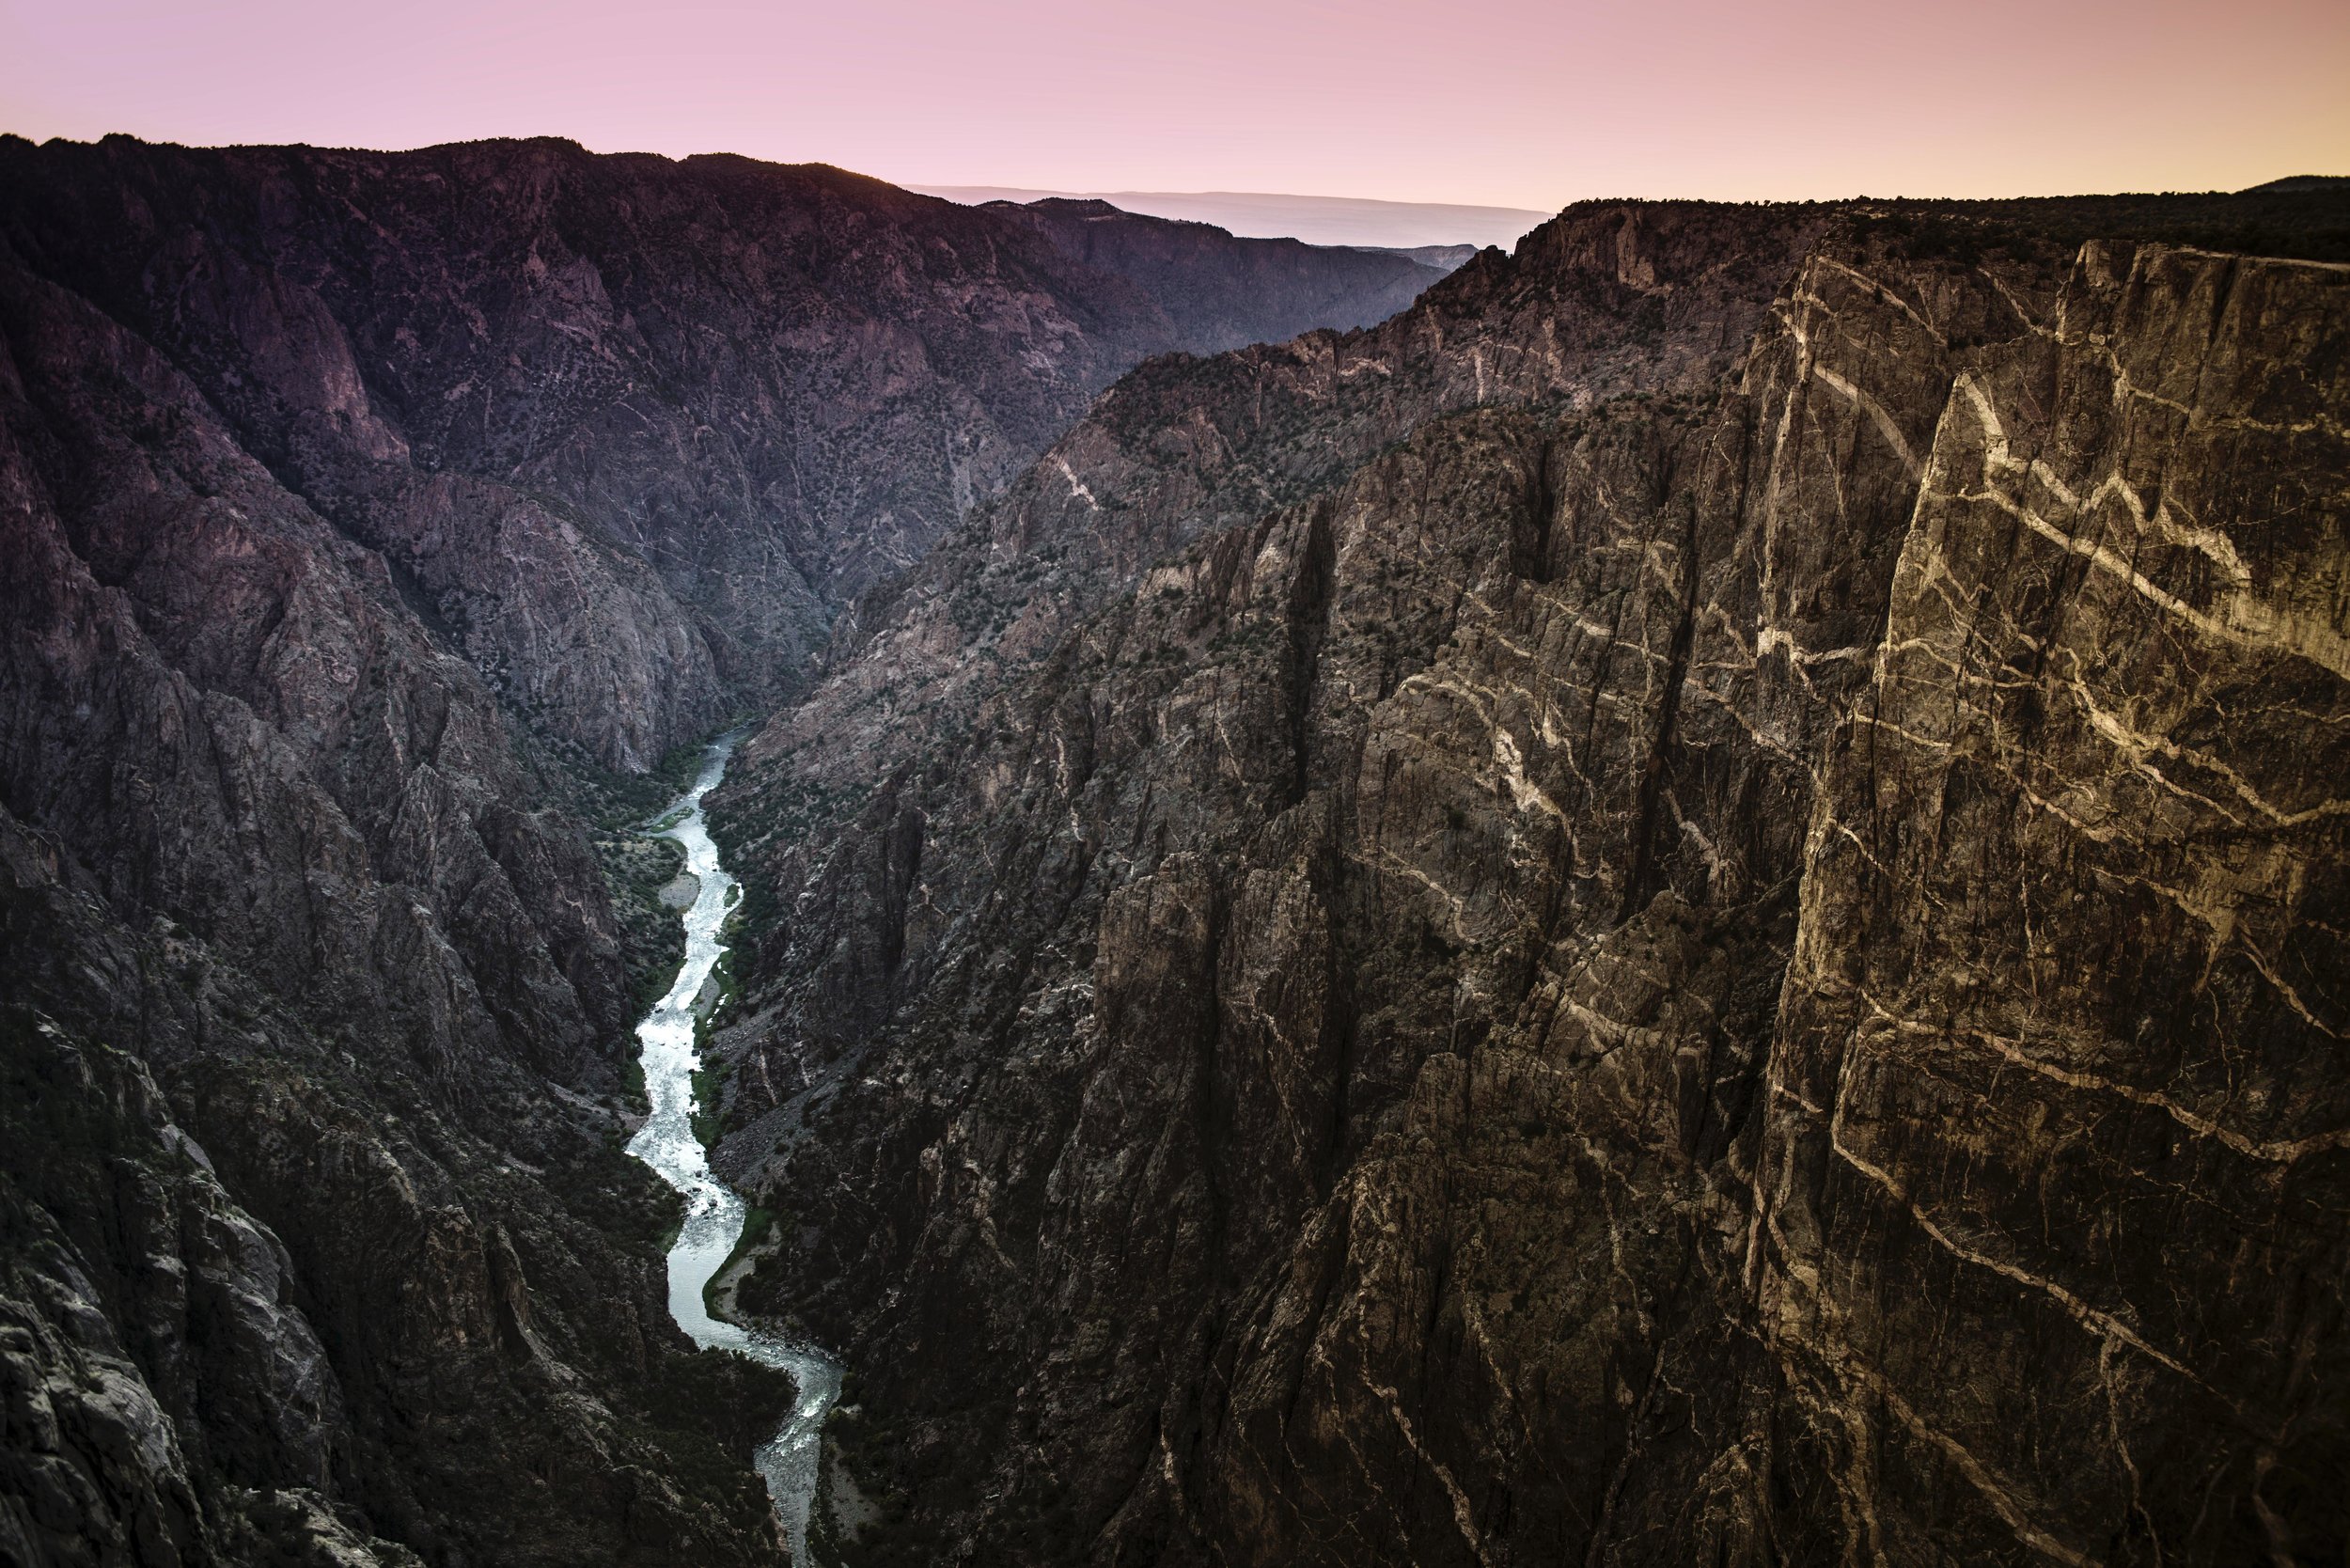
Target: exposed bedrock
319, 1246
1744, 975
366, 521
635, 427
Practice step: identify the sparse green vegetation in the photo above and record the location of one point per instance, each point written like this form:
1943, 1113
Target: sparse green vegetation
759, 1224
710, 1087
652, 939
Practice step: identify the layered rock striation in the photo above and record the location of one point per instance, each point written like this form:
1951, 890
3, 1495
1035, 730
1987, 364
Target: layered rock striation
1743, 968
1608, 299
1686, 902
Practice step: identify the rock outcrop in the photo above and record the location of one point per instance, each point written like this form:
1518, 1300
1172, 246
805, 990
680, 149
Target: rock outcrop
1740, 969
1609, 298
633, 428
2050, 1198
319, 1235
1686, 903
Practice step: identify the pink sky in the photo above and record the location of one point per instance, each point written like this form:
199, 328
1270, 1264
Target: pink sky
1514, 103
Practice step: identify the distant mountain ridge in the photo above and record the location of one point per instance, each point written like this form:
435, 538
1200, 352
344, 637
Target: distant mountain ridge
2303, 182
1445, 257
1220, 292
1315, 219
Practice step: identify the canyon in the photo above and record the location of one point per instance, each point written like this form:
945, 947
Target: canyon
374, 526
1676, 895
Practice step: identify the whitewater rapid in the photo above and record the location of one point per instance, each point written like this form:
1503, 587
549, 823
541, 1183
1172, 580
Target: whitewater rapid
713, 1211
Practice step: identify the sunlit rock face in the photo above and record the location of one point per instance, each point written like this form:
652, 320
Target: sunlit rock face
1744, 974
2051, 1196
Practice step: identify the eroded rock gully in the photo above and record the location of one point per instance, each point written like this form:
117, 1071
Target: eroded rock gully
319, 1244
1747, 972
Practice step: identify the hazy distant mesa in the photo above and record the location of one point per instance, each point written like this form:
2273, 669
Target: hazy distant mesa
1317, 220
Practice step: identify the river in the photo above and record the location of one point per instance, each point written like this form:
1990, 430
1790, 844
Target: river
713, 1211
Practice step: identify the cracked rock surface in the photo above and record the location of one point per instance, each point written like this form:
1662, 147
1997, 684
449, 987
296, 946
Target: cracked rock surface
1750, 971
1686, 903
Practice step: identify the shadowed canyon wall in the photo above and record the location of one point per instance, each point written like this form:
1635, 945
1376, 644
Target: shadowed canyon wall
316, 1235
366, 522
633, 427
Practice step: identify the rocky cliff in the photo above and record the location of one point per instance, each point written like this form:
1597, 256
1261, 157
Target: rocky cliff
1607, 299
318, 1232
633, 427
363, 520
1736, 962
1685, 904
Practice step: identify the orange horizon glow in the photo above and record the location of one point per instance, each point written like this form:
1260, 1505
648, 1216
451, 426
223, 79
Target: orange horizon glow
1501, 103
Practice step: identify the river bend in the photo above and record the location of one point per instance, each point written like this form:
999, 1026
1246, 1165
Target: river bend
713, 1211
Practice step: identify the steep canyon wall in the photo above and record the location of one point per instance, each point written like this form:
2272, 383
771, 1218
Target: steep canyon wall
1743, 970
